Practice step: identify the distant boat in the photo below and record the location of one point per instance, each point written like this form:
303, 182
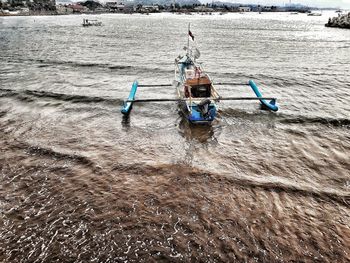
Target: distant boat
91, 22
314, 14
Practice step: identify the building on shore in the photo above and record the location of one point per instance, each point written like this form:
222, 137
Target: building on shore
204, 9
115, 6
146, 8
43, 5
244, 9
78, 8
29, 5
64, 9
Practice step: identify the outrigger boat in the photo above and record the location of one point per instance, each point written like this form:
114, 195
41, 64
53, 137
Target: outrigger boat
91, 22
196, 94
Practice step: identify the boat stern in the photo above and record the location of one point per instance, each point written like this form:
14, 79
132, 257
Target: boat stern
196, 115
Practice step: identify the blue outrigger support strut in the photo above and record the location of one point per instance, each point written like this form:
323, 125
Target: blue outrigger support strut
128, 104
269, 105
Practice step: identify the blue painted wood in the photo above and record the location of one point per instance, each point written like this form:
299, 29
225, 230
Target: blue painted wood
128, 105
269, 105
196, 117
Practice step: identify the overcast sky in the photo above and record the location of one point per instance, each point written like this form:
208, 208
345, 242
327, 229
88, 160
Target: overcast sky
318, 3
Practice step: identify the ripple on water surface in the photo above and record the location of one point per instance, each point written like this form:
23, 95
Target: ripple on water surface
82, 183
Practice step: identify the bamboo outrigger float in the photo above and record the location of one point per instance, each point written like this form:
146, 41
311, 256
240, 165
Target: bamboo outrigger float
196, 94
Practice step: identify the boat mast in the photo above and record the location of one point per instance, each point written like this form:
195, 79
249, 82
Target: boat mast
188, 39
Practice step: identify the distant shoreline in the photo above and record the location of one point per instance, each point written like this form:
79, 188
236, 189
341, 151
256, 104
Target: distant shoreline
187, 12
180, 12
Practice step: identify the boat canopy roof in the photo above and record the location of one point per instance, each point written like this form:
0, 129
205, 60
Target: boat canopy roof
202, 80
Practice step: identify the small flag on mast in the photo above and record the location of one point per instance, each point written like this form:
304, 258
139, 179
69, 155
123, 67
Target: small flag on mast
191, 35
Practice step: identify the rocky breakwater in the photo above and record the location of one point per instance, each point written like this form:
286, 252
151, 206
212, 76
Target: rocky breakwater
342, 21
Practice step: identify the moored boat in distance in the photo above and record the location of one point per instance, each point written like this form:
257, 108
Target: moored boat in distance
91, 22
314, 14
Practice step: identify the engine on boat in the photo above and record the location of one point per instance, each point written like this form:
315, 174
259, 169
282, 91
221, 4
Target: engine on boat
203, 107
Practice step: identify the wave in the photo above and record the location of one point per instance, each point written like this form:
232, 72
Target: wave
3, 113
44, 152
228, 179
30, 95
266, 116
120, 67
38, 150
176, 171
48, 62
261, 116
79, 64
272, 80
291, 188
340, 122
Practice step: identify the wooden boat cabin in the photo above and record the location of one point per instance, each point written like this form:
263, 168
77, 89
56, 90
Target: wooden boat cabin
198, 87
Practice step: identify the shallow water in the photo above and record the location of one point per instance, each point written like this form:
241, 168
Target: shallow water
81, 183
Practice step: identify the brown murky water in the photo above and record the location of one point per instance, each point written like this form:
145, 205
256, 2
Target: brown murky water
80, 183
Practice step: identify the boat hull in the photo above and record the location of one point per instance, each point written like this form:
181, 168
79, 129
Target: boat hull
194, 115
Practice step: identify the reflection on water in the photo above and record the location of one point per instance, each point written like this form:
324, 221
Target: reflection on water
202, 133
126, 121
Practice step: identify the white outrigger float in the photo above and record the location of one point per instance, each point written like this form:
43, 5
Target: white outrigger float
196, 94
